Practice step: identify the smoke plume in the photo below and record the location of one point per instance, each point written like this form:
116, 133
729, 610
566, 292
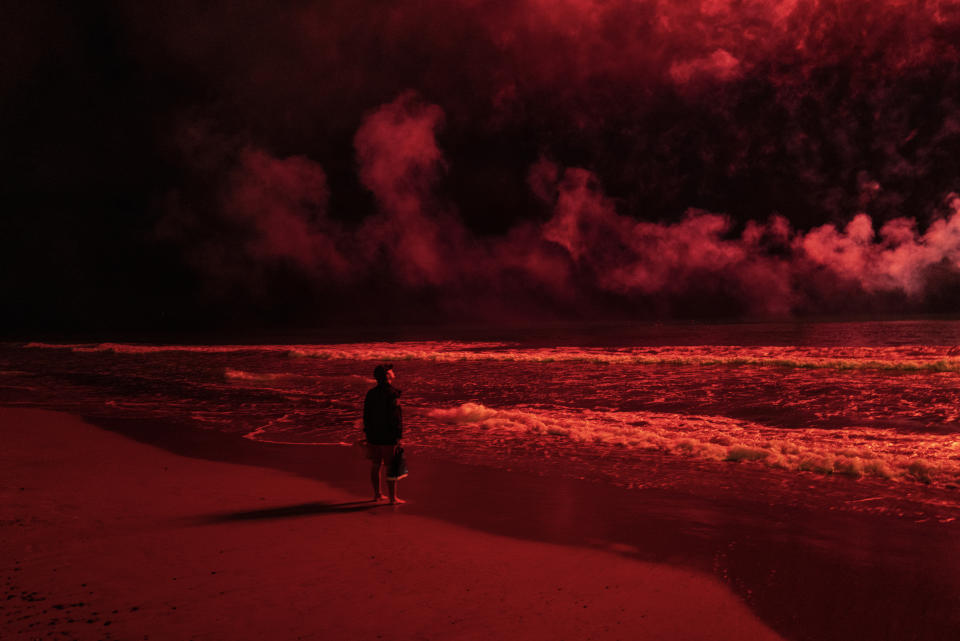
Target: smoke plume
584, 248
465, 158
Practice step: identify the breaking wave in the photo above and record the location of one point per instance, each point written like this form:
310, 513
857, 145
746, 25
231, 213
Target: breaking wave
912, 358
257, 376
854, 451
245, 375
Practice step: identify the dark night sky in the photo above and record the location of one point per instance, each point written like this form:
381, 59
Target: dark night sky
294, 164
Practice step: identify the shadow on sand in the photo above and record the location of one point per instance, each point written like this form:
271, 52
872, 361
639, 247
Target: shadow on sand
313, 508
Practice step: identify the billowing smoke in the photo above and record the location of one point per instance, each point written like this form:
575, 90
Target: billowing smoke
455, 158
282, 206
584, 249
768, 269
399, 162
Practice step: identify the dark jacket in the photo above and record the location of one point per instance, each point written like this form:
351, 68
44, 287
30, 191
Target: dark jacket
382, 422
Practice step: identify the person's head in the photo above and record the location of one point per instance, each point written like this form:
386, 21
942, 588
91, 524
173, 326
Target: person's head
384, 373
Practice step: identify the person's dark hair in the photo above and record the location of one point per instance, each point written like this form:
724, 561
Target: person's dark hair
380, 372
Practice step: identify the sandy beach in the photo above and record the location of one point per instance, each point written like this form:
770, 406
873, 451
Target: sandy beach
107, 538
129, 530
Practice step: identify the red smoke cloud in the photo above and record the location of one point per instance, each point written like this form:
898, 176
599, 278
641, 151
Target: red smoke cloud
637, 258
764, 158
898, 259
282, 204
585, 248
481, 55
399, 162
581, 157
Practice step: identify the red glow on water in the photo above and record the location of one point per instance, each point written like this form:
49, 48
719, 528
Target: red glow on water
888, 413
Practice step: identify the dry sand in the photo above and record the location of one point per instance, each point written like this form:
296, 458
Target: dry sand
104, 537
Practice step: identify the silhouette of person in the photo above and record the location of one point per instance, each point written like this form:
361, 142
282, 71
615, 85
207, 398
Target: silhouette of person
383, 426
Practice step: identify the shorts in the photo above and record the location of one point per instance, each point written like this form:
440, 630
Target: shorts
382, 454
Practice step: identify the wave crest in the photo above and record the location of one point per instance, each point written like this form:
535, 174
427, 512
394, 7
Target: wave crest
852, 451
913, 358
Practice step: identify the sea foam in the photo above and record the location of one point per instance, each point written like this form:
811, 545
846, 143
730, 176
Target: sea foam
854, 451
910, 358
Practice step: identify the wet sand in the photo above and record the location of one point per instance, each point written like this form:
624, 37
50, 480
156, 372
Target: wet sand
104, 537
129, 530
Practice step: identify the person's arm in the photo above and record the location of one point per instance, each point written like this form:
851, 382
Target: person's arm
399, 422
397, 418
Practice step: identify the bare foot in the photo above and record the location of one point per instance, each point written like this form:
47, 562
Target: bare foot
378, 497
396, 501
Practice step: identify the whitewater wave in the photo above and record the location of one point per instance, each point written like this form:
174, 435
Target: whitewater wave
912, 358
853, 451
271, 377
243, 375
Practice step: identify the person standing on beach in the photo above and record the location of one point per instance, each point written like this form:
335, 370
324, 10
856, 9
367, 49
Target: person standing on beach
383, 426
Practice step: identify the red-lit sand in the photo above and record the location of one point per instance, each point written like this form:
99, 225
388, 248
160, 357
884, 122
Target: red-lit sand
105, 537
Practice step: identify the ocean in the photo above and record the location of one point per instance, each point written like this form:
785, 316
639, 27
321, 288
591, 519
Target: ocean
866, 414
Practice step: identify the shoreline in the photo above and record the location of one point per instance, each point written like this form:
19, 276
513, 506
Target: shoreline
113, 539
802, 573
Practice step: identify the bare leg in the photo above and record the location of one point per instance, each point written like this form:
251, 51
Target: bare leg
375, 481
392, 489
